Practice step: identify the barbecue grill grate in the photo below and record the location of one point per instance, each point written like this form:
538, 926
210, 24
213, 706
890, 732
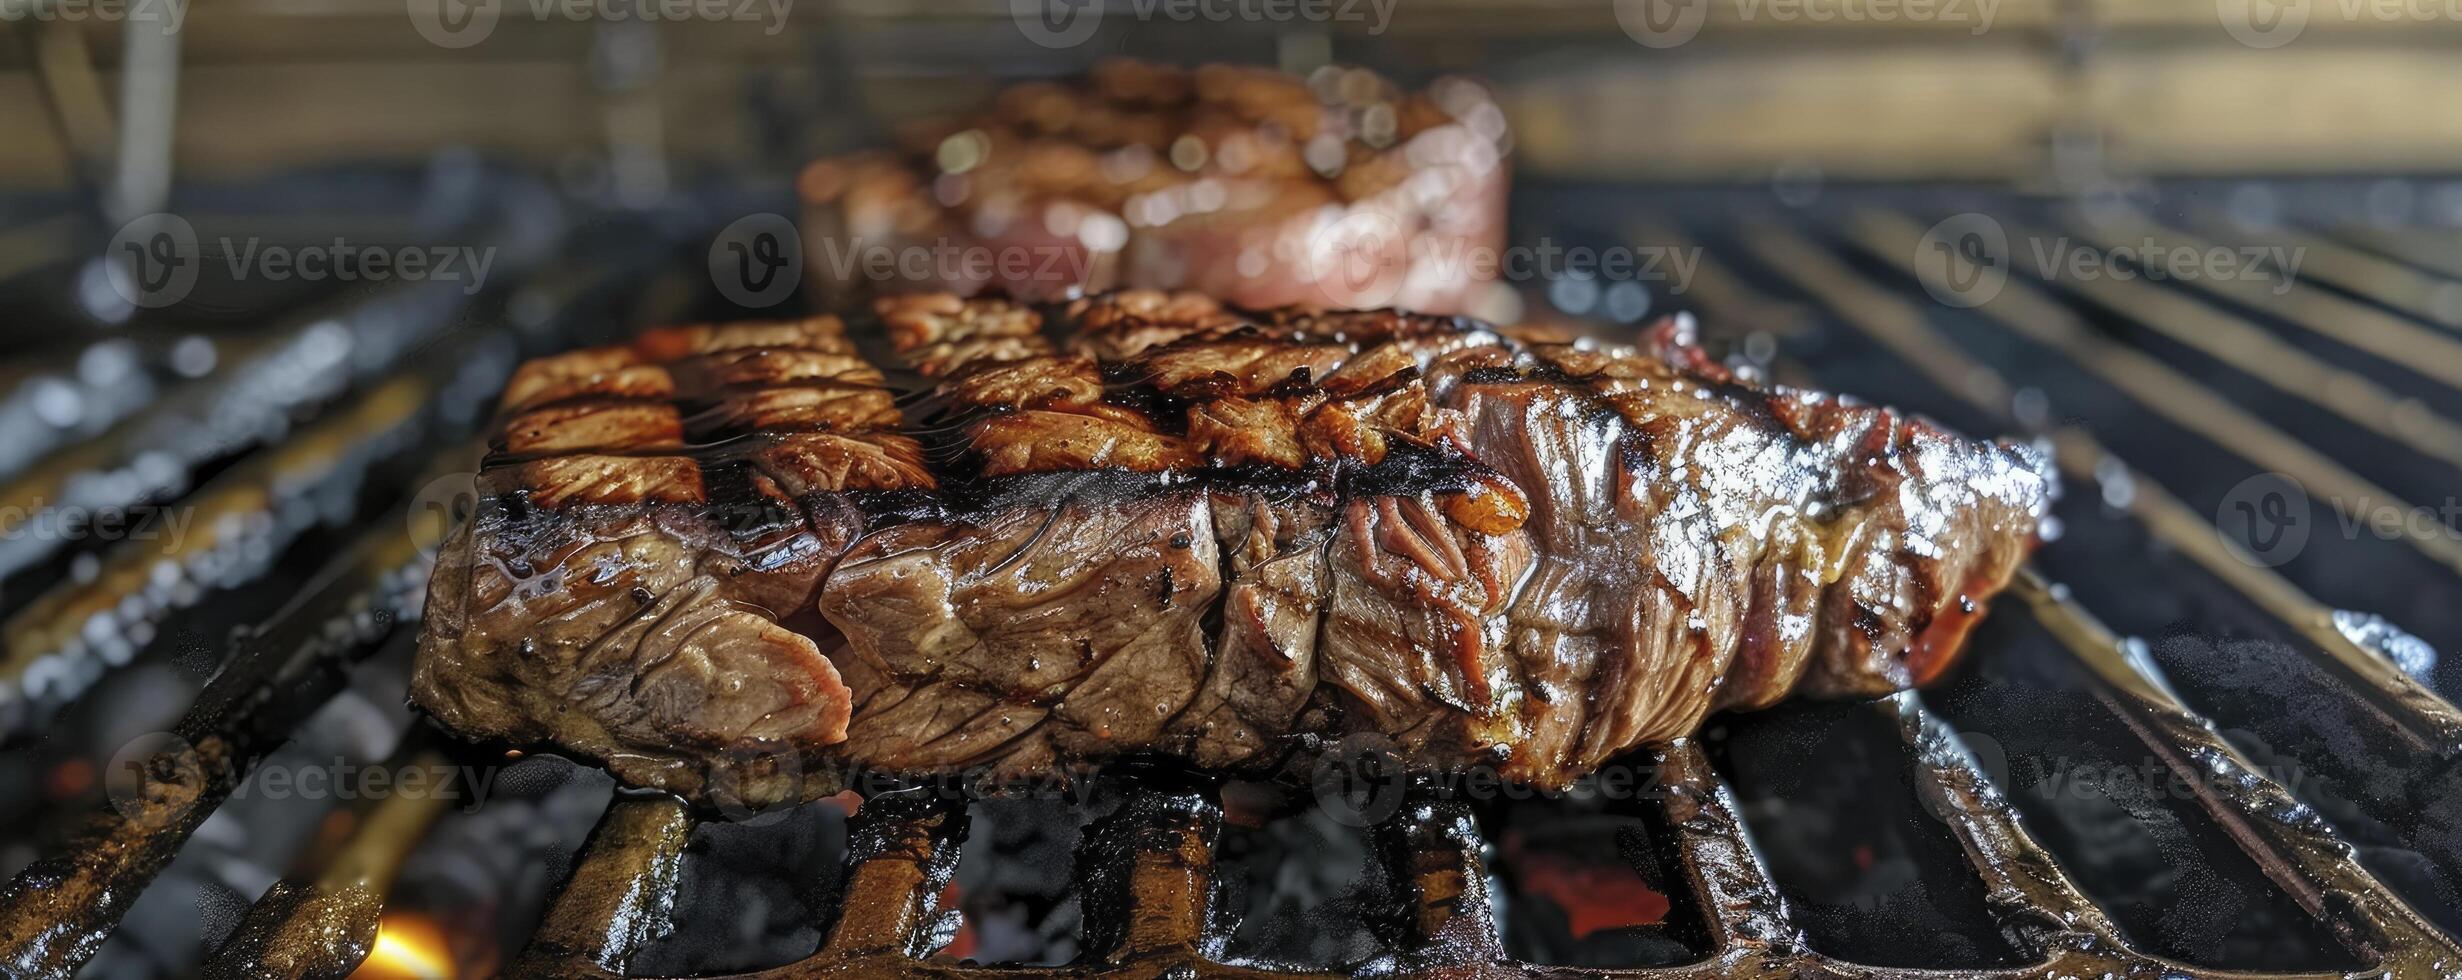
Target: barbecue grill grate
1147, 870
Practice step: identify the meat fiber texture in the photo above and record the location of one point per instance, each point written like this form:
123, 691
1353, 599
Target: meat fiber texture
728, 563
1256, 187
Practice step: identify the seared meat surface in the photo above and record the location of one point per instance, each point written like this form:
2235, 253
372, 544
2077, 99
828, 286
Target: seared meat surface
723, 561
1244, 182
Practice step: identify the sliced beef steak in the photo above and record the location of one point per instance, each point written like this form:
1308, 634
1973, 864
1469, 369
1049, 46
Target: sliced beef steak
1146, 524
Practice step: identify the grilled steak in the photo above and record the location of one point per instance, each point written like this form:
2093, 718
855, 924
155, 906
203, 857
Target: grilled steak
723, 561
1249, 184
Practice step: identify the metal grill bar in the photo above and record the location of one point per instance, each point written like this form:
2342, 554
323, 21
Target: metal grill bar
156, 454
1745, 916
1150, 872
2297, 857
1434, 848
1149, 867
2034, 315
2409, 290
2429, 718
73, 633
1894, 238
2436, 251
1899, 326
56, 912
2034, 901
325, 927
2419, 350
2289, 841
903, 848
619, 896
2253, 351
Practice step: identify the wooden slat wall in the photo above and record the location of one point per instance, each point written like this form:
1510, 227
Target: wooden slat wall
277, 83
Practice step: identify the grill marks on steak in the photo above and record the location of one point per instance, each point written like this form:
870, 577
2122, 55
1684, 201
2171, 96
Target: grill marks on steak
1247, 432
653, 533
1028, 636
1161, 526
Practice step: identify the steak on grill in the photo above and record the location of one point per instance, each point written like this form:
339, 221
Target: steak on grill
1252, 185
723, 562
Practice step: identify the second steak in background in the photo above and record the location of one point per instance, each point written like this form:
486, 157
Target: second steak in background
1259, 188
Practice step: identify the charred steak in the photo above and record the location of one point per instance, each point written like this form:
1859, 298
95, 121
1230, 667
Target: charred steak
725, 561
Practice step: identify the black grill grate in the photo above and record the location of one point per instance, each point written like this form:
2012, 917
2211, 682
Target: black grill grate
1147, 871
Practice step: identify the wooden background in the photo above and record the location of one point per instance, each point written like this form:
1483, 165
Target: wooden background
2136, 86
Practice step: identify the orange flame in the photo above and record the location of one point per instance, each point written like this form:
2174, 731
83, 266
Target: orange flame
408, 947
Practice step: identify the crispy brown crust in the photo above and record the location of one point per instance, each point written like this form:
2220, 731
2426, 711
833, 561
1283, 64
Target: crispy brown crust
1532, 556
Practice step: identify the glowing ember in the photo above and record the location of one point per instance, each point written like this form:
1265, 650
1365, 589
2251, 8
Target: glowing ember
408, 947
1594, 896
